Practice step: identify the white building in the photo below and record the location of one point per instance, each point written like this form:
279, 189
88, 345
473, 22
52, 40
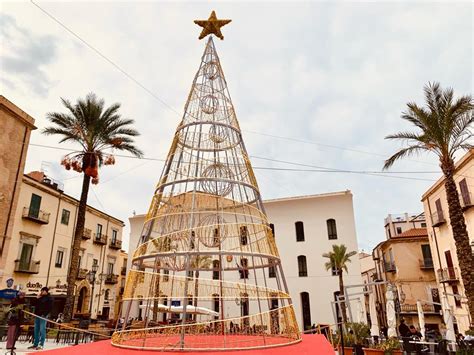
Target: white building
305, 227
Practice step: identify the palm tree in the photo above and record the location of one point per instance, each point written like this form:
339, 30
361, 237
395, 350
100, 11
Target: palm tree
338, 260
95, 129
199, 262
443, 128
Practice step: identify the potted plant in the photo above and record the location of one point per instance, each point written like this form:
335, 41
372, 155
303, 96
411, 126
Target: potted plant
390, 346
355, 338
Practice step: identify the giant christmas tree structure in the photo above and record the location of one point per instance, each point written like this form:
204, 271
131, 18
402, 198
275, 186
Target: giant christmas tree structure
201, 270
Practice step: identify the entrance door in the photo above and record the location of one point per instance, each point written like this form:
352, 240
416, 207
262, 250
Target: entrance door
105, 313
81, 299
306, 309
274, 319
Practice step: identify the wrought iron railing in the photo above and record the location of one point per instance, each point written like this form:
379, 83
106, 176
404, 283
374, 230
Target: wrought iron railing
100, 239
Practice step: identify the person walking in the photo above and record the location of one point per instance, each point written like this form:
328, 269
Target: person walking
14, 319
43, 306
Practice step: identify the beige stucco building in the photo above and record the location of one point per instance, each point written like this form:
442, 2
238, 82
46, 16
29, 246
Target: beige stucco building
15, 130
42, 235
443, 248
405, 260
304, 227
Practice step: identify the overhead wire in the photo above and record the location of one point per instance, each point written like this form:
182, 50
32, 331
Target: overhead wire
163, 102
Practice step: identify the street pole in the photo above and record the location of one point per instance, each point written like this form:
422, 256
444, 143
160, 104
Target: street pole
92, 293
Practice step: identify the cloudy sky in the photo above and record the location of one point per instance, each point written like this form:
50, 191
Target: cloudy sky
330, 79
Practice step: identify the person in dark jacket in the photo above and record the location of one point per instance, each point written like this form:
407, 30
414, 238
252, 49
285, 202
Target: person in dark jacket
43, 306
15, 318
403, 329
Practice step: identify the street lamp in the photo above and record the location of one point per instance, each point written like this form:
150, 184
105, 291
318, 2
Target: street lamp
91, 278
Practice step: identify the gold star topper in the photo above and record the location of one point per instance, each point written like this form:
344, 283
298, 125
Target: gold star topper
211, 26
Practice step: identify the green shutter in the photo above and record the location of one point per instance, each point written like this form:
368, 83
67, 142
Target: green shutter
35, 205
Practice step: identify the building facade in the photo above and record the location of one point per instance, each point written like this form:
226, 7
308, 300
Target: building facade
304, 228
41, 242
15, 130
443, 248
405, 260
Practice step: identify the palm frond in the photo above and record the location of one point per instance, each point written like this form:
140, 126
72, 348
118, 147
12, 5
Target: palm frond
402, 153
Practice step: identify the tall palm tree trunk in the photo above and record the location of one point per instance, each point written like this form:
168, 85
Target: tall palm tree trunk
76, 247
341, 293
461, 238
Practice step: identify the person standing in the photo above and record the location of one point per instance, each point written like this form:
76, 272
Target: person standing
43, 306
403, 329
15, 318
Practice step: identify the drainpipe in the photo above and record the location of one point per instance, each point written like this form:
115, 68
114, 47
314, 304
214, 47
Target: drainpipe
54, 238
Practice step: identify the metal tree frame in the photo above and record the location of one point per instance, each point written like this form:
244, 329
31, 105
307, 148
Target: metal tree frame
207, 207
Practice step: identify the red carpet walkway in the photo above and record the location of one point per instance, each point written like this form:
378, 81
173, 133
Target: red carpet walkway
311, 345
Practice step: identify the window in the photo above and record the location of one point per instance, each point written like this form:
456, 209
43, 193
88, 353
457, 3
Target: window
244, 240
423, 224
299, 231
95, 262
399, 230
59, 258
114, 236
334, 271
190, 273
35, 204
244, 272
215, 270
302, 268
193, 238
465, 195
272, 226
457, 300
427, 258
306, 310
25, 256
99, 230
110, 268
244, 306
332, 231
271, 270
107, 294
166, 275
65, 217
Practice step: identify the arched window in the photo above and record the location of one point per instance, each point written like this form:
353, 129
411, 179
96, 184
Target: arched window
332, 231
306, 310
299, 231
215, 300
302, 268
215, 269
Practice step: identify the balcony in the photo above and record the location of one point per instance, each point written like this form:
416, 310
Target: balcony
437, 218
412, 308
100, 239
467, 201
390, 267
426, 264
27, 267
35, 215
115, 244
111, 279
448, 274
123, 271
82, 274
87, 234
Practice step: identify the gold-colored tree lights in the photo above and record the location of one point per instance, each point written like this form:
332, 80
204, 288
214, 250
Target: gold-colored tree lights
206, 274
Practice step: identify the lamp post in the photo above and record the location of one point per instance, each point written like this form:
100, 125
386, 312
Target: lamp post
91, 278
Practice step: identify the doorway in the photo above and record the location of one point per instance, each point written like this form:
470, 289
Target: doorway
306, 309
